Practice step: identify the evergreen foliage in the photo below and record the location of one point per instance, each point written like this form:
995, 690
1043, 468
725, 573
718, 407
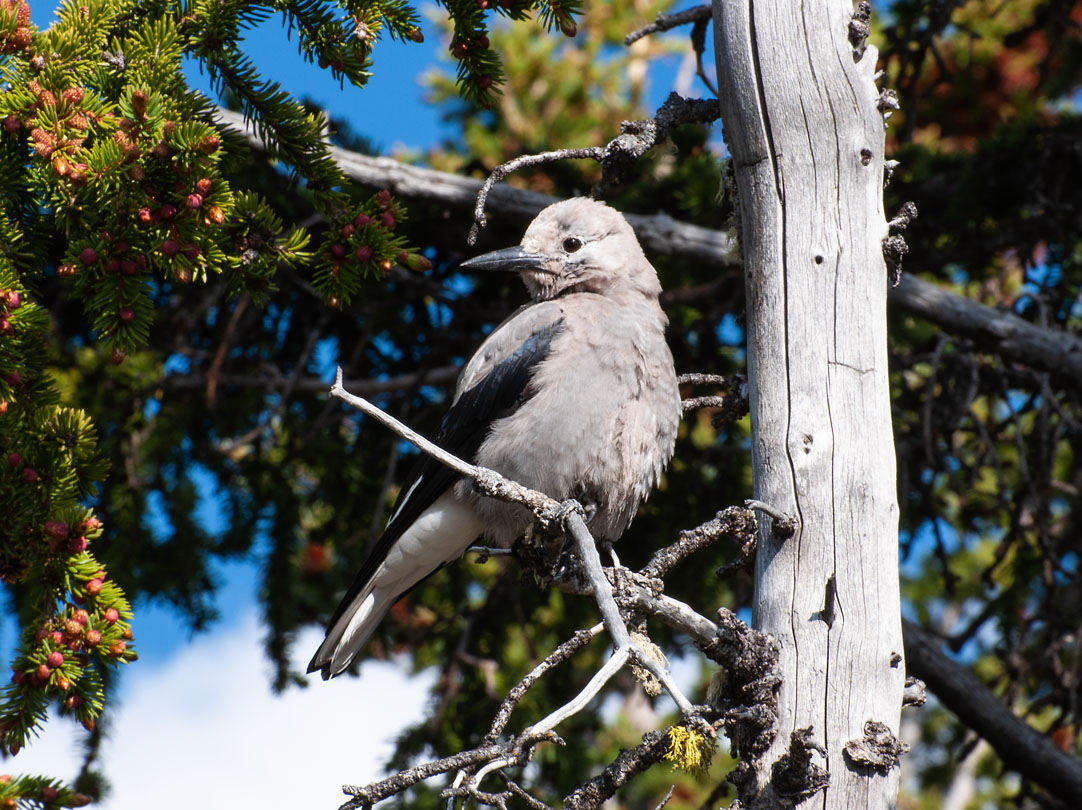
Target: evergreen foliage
118, 190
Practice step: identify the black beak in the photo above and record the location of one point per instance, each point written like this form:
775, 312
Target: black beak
513, 259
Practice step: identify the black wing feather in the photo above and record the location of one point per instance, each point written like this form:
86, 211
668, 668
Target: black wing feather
463, 430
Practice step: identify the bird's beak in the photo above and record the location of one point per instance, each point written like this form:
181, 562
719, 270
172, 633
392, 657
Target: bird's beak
513, 259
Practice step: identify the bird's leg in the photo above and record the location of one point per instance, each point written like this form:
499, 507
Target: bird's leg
610, 548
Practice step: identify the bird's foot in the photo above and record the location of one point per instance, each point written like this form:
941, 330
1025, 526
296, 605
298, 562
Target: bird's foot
554, 517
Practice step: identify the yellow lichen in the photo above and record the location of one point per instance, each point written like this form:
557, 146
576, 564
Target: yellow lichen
690, 750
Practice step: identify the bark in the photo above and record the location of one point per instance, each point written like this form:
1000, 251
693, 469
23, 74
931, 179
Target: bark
801, 122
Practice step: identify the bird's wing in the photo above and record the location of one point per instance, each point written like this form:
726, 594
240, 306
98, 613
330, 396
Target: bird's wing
490, 386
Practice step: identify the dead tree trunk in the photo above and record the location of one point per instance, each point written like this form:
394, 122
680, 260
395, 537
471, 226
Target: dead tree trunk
799, 107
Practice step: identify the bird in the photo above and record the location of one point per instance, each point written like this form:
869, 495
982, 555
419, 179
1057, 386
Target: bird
574, 395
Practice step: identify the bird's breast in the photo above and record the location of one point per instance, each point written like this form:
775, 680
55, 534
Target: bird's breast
597, 421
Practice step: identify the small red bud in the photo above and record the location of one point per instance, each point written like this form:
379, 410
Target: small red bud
93, 587
81, 617
387, 219
88, 723
193, 252
55, 659
139, 102
144, 216
112, 265
30, 475
12, 123
460, 49
18, 676
204, 186
126, 633
484, 82
338, 250
128, 267
14, 459
93, 637
383, 198
111, 615
92, 524
118, 647
42, 673
57, 528
347, 231
362, 220
63, 684
126, 315
194, 201
364, 253
58, 637
167, 211
49, 794
170, 247
88, 255
216, 215
5, 326
482, 41
14, 300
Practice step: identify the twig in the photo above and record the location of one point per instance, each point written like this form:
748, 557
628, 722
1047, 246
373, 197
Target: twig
665, 22
634, 140
560, 654
737, 521
668, 796
504, 169
695, 403
488, 482
369, 795
627, 765
698, 44
784, 523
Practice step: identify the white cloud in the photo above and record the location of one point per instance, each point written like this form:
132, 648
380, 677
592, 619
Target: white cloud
204, 729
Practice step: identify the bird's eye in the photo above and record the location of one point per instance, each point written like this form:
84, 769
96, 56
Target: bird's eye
571, 244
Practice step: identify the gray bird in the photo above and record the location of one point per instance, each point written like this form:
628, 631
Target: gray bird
574, 395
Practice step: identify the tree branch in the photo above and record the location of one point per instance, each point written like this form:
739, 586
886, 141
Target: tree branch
1021, 747
1055, 351
665, 22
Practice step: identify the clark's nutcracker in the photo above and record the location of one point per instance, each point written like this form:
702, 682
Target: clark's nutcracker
574, 395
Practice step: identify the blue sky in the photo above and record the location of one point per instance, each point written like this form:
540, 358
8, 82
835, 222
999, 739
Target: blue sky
202, 705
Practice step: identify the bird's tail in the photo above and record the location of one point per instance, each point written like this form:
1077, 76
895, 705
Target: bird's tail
442, 533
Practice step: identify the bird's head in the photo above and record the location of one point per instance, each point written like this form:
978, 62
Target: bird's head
577, 245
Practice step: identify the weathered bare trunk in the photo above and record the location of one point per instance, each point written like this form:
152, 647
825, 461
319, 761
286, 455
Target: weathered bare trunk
806, 136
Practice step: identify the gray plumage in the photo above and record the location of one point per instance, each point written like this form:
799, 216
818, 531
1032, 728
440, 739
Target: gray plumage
574, 395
